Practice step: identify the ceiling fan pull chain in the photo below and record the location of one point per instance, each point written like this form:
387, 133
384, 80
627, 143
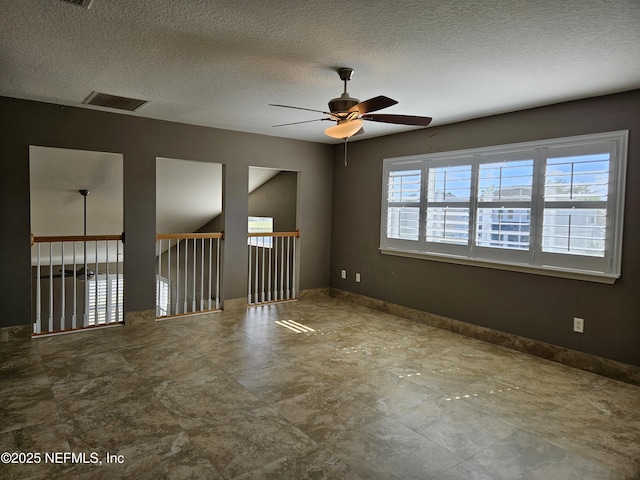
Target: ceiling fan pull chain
345, 150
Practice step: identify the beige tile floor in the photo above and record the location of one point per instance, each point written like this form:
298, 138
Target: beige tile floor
366, 396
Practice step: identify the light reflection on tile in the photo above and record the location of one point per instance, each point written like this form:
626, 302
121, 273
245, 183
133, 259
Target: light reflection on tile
523, 455
457, 426
386, 449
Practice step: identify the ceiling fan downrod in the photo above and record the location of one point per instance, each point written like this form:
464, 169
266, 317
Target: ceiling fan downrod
345, 75
344, 102
86, 272
84, 193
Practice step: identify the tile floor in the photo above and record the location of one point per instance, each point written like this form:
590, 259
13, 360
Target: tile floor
366, 396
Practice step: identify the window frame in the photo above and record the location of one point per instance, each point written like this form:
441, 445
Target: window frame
405, 203
604, 269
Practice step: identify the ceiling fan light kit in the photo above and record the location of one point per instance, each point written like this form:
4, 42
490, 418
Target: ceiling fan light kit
344, 129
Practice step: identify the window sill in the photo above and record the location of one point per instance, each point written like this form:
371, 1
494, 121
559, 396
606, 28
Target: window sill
597, 277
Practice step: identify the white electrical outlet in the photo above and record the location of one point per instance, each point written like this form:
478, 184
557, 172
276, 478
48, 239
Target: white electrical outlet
578, 325
357, 278
343, 274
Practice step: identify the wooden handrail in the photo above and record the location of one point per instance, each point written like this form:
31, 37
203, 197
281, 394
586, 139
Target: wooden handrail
159, 236
73, 238
180, 236
275, 234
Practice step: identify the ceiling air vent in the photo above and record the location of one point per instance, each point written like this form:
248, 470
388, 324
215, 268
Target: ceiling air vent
113, 101
79, 3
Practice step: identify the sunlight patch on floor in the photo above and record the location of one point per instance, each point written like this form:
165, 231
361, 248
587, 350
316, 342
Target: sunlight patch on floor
295, 326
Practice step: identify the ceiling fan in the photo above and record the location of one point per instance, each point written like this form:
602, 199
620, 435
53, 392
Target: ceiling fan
349, 112
80, 273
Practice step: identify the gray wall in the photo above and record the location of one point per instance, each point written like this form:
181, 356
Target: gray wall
277, 199
528, 305
141, 140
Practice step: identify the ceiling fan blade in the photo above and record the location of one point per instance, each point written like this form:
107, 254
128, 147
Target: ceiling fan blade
299, 108
399, 119
66, 274
359, 132
373, 104
70, 273
305, 121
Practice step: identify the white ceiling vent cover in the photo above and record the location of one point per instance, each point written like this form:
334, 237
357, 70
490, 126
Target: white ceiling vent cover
113, 101
80, 3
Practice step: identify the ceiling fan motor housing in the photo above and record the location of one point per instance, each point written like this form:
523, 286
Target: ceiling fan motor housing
342, 103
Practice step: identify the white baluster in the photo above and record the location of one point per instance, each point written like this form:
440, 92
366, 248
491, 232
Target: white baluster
158, 296
85, 320
50, 287
262, 276
293, 271
186, 272
281, 268
288, 266
210, 263
63, 284
202, 274
38, 295
269, 271
170, 297
218, 274
177, 277
108, 318
249, 276
95, 282
193, 288
256, 287
275, 268
74, 315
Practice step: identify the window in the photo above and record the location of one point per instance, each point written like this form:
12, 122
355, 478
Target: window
404, 204
553, 207
162, 296
448, 201
105, 299
260, 225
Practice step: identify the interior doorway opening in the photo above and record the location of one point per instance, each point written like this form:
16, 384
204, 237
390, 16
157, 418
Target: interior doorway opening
77, 255
188, 237
272, 236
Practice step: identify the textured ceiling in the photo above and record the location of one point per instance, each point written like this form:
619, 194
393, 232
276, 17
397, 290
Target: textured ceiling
220, 63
